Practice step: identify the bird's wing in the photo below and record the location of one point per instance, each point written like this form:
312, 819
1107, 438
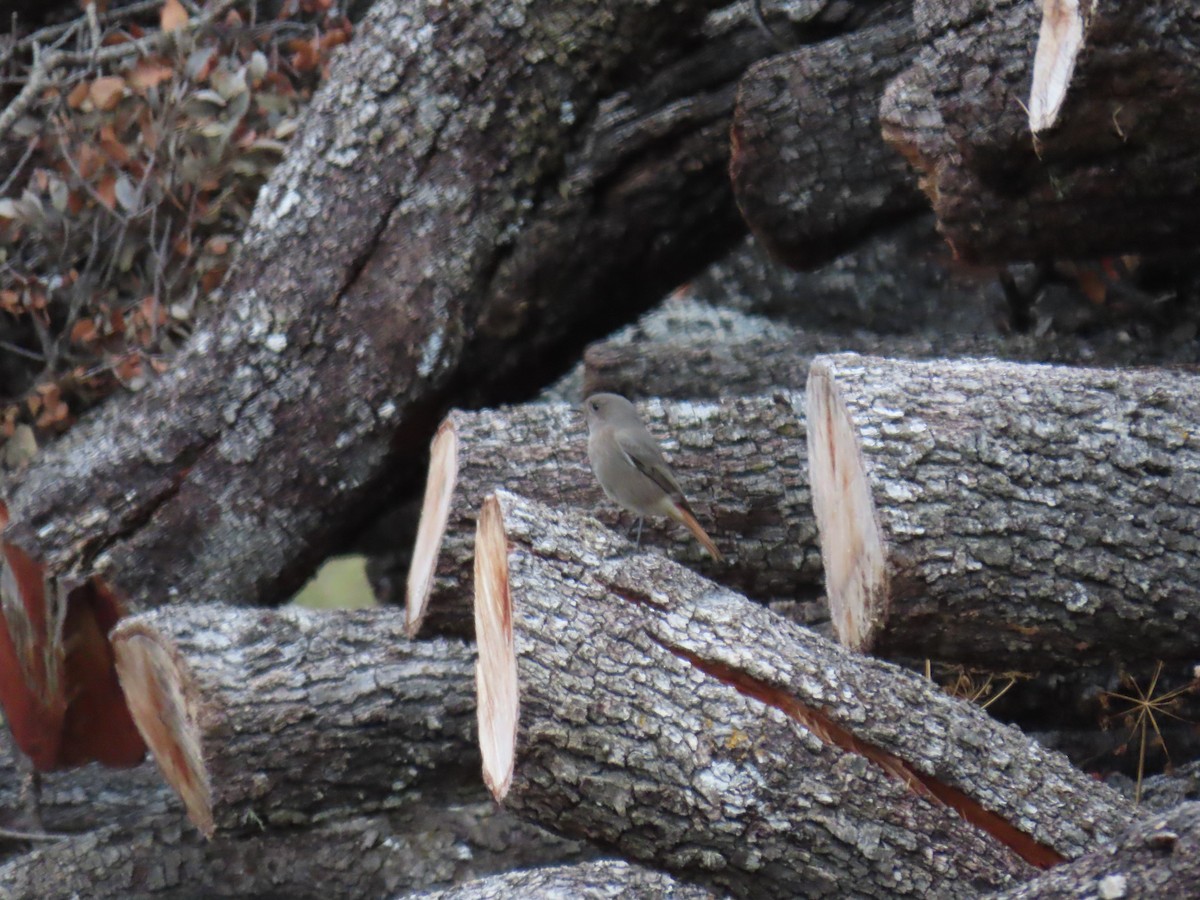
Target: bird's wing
643, 452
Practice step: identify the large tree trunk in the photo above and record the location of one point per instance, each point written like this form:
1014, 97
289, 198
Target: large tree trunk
626, 699
296, 714
1085, 149
1007, 515
810, 170
1158, 857
740, 462
420, 237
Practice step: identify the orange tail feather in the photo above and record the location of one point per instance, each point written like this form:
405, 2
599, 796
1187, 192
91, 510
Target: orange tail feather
686, 517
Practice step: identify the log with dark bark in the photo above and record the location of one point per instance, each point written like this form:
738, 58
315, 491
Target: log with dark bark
686, 356
1158, 857
1007, 515
900, 281
602, 879
740, 463
810, 171
414, 246
1084, 149
626, 699
456, 833
291, 716
76, 801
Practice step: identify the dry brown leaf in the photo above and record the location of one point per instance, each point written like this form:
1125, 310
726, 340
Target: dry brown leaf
173, 15
83, 332
106, 190
106, 91
78, 95
116, 151
149, 73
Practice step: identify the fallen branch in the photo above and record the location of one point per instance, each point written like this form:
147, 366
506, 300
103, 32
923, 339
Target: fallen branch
1007, 515
685, 725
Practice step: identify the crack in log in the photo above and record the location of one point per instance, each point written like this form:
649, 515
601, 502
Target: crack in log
136, 518
926, 786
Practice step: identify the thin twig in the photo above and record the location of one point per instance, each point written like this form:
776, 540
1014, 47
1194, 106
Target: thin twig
13, 834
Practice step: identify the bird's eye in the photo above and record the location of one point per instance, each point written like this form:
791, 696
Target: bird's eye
595, 406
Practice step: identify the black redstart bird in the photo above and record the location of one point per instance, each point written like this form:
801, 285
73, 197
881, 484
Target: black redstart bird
630, 467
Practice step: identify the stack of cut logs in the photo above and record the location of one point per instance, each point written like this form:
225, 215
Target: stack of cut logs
649, 720
655, 705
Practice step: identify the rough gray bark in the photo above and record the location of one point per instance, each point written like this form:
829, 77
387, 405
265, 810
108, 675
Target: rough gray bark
1158, 857
810, 171
414, 246
602, 879
740, 462
899, 281
1114, 170
688, 355
1007, 515
686, 725
289, 717
457, 834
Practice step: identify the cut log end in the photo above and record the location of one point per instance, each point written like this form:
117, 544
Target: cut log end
496, 669
852, 550
164, 704
1060, 41
435, 513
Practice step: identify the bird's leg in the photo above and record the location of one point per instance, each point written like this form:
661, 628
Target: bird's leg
639, 534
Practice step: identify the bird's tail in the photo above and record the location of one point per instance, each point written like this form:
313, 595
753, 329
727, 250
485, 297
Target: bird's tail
684, 515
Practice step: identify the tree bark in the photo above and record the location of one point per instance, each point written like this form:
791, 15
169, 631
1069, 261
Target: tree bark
457, 833
1007, 515
1158, 857
740, 463
679, 714
1085, 149
696, 352
810, 171
79, 800
597, 880
413, 247
291, 716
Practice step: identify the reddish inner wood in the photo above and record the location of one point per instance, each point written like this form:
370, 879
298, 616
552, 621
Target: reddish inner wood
1028, 848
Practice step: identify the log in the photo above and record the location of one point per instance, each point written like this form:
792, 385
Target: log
403, 255
457, 833
810, 172
693, 362
739, 461
1007, 515
290, 716
626, 699
901, 280
597, 880
1081, 150
78, 800
1157, 857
